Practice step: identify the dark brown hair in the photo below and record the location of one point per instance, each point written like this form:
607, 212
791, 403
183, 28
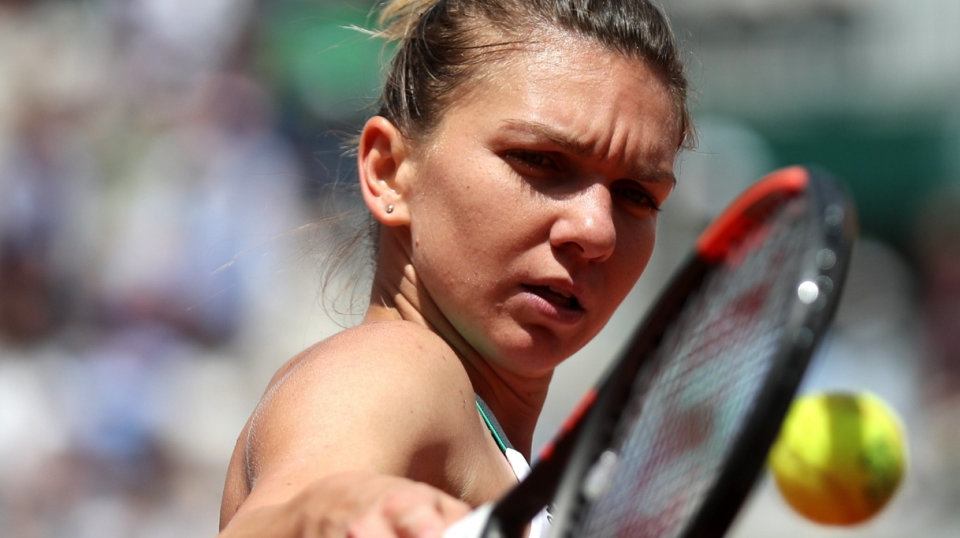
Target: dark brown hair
441, 45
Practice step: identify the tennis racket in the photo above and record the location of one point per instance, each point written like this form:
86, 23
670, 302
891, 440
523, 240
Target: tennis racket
671, 440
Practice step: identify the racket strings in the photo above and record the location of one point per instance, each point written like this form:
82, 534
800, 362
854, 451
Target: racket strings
685, 411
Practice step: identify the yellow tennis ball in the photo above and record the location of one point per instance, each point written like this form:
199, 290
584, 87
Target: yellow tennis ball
839, 457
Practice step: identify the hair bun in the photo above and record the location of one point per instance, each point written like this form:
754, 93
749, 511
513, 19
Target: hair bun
399, 17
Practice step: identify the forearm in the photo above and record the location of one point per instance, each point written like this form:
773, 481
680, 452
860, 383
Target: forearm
273, 521
359, 504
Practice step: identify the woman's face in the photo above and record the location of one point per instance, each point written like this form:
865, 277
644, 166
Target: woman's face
534, 204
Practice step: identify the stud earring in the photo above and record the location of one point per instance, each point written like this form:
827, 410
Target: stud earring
390, 208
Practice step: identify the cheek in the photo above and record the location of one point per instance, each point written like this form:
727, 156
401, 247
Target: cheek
634, 254
459, 229
466, 209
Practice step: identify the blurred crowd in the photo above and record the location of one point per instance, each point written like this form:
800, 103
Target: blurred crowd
161, 167
151, 197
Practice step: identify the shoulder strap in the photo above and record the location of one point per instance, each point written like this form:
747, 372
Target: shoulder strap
493, 425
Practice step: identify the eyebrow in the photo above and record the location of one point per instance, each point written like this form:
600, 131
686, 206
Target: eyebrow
580, 148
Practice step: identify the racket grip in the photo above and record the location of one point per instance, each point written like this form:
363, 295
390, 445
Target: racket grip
472, 525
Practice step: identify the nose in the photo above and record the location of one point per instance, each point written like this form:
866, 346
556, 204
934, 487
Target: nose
585, 225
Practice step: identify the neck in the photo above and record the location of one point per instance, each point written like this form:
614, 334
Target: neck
398, 294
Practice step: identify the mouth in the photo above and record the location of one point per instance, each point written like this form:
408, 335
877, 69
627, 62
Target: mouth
556, 297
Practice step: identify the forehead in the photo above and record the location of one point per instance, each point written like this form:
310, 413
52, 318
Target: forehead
600, 100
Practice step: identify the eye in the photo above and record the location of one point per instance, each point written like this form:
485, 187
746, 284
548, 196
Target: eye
635, 195
532, 161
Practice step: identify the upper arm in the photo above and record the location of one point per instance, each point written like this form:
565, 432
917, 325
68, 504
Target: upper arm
385, 399
237, 485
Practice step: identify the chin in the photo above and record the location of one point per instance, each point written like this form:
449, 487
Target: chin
542, 350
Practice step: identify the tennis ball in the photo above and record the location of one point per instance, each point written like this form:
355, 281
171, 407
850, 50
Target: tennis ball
839, 457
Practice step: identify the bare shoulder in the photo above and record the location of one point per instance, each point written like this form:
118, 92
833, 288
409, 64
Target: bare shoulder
385, 373
375, 364
387, 397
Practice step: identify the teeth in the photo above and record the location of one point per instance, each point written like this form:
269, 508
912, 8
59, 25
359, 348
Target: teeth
560, 292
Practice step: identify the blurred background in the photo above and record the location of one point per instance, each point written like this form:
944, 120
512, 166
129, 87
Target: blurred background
163, 165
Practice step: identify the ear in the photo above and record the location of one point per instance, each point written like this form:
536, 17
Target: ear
381, 160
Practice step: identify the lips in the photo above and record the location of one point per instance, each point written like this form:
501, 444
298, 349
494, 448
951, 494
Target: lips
556, 296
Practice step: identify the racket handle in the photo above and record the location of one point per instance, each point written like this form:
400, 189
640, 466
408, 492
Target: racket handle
471, 526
